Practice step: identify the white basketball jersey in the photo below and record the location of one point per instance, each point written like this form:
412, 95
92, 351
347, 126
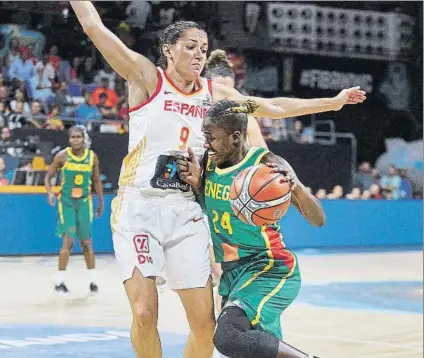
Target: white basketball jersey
160, 128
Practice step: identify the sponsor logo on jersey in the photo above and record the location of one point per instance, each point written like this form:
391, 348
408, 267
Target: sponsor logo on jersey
185, 109
172, 170
208, 101
166, 177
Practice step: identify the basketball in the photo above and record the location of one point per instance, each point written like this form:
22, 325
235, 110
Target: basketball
259, 197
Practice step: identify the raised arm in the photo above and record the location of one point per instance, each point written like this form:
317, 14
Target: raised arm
98, 185
128, 64
290, 107
254, 134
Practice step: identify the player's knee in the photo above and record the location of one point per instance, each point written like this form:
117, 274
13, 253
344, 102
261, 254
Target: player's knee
64, 251
86, 246
202, 326
230, 337
67, 244
67, 247
144, 317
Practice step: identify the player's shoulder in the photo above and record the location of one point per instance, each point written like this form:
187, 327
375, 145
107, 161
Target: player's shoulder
94, 154
63, 153
61, 157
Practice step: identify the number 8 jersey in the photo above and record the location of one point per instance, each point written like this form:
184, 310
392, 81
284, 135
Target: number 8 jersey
76, 174
160, 128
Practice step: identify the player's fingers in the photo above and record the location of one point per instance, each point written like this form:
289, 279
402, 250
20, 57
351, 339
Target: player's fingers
180, 157
182, 162
186, 177
272, 165
192, 155
280, 169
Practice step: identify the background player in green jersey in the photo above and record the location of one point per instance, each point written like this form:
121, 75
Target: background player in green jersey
260, 276
80, 168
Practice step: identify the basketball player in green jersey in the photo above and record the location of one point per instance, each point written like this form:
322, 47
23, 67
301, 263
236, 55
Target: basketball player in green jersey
220, 70
260, 277
80, 167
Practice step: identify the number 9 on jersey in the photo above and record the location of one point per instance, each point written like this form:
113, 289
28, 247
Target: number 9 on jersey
184, 134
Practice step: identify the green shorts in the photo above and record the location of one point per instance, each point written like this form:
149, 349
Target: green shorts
263, 286
75, 217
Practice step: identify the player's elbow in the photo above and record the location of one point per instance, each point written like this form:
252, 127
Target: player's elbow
320, 220
91, 27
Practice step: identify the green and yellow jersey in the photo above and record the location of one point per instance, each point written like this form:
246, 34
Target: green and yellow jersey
76, 174
233, 239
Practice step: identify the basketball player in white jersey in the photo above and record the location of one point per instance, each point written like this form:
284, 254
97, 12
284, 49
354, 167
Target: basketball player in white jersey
156, 221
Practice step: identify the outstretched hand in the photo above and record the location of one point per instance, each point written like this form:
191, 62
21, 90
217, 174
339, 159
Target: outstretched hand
189, 168
350, 96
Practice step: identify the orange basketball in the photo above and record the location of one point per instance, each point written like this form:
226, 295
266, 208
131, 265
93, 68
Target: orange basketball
259, 197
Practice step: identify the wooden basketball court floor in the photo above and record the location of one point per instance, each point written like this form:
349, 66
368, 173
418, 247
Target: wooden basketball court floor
352, 304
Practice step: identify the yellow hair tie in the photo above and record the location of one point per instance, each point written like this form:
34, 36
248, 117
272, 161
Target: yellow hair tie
247, 107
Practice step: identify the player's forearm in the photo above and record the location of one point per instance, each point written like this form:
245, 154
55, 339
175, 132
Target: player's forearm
47, 185
310, 206
99, 190
299, 107
86, 14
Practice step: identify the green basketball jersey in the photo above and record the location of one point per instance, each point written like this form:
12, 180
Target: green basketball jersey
76, 174
232, 238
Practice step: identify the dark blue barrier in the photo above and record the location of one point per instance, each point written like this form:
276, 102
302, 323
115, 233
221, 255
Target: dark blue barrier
28, 223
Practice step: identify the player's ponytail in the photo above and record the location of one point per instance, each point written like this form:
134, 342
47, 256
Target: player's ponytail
218, 58
248, 107
218, 64
231, 115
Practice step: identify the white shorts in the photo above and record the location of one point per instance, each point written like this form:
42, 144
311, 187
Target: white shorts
160, 233
205, 218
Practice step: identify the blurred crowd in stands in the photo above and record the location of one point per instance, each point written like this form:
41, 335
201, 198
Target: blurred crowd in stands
72, 84
52, 94
368, 183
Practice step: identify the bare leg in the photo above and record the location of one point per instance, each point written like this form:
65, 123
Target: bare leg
216, 272
65, 252
143, 298
87, 250
198, 304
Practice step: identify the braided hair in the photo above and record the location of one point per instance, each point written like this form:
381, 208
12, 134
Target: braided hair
232, 116
171, 34
218, 64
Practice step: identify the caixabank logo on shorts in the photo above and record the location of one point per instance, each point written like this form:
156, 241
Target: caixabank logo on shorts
166, 175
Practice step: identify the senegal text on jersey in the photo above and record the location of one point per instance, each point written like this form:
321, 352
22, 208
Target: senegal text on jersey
217, 191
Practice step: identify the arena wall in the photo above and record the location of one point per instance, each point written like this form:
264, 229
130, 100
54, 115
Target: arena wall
28, 223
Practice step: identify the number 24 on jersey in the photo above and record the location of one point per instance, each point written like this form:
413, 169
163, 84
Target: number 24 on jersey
224, 223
